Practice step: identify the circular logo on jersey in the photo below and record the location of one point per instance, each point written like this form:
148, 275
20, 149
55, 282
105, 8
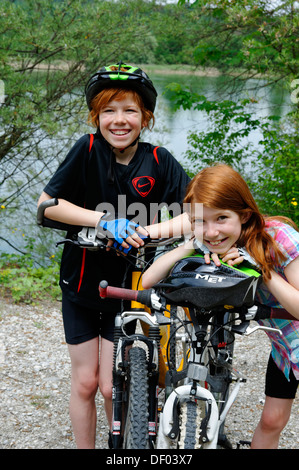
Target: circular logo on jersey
143, 184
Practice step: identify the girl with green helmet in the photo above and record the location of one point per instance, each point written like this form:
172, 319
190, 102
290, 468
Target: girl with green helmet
101, 172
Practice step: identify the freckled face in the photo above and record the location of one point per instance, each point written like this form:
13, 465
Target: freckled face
218, 229
121, 122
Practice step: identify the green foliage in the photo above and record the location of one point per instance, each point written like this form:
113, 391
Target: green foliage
49, 49
254, 35
23, 282
272, 170
277, 188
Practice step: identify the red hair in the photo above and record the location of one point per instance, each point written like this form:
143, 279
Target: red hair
220, 186
118, 94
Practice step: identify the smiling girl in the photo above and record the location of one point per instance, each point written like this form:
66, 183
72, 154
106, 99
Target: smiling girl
224, 214
100, 170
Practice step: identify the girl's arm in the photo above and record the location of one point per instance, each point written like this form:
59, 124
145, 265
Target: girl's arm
179, 225
71, 214
287, 293
160, 268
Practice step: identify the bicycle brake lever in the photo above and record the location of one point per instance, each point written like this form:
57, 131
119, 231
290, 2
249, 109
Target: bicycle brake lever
86, 238
118, 246
249, 331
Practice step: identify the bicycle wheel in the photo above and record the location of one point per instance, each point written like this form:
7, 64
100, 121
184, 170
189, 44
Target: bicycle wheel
190, 422
136, 427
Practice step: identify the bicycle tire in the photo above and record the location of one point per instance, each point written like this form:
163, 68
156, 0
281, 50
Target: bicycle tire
136, 434
190, 422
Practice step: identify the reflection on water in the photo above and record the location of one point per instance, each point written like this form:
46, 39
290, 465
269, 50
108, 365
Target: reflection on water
172, 128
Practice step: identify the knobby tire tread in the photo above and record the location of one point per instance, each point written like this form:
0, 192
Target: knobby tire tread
190, 421
136, 428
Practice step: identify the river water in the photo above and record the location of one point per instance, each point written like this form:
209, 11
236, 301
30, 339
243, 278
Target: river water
172, 127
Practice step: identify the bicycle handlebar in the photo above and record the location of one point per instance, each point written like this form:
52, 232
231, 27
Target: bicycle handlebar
87, 237
42, 207
150, 298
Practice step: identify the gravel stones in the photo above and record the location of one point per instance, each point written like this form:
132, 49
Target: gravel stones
35, 383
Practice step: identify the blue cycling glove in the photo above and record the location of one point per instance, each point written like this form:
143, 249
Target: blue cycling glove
119, 229
118, 247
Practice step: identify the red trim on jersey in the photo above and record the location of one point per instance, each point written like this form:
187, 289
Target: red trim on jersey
91, 141
82, 269
155, 154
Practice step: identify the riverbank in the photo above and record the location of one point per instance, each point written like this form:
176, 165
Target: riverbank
154, 69
35, 383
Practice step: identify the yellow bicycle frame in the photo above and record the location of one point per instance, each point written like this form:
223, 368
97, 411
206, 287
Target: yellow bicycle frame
164, 330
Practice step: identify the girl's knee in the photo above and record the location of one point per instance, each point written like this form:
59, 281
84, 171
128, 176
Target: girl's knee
85, 385
106, 390
274, 420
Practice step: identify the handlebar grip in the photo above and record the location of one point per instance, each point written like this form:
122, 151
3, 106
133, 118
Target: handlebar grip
282, 314
116, 292
42, 207
110, 292
264, 312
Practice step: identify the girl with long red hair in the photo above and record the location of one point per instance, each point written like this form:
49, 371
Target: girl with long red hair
224, 215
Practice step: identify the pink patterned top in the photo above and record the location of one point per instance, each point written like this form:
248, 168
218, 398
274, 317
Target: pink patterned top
285, 348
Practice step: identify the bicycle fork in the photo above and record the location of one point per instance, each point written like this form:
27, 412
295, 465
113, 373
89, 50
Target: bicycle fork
194, 389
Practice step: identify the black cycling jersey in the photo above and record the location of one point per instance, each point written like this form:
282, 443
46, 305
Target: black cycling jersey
153, 176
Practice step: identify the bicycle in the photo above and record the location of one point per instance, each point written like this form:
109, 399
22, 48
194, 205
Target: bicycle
197, 392
85, 237
184, 351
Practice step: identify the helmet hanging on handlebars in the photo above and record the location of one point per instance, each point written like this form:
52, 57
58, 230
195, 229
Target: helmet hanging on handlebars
192, 281
123, 76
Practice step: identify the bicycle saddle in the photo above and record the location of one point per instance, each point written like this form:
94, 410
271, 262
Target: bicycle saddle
192, 281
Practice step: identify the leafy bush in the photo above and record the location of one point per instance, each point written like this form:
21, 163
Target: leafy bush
24, 282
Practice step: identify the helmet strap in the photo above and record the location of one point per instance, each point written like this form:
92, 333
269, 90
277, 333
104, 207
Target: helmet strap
131, 145
111, 167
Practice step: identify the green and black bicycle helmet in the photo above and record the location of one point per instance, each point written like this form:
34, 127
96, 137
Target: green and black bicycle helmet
124, 76
192, 281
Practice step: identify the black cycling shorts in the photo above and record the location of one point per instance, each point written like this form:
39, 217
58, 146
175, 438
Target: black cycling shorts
277, 385
82, 324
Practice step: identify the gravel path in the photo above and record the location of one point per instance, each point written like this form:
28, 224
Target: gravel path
35, 383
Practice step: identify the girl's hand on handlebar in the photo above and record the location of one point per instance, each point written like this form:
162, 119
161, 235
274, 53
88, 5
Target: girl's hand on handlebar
135, 240
232, 257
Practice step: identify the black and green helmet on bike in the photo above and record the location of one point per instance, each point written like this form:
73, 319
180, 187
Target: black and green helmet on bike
123, 76
206, 286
